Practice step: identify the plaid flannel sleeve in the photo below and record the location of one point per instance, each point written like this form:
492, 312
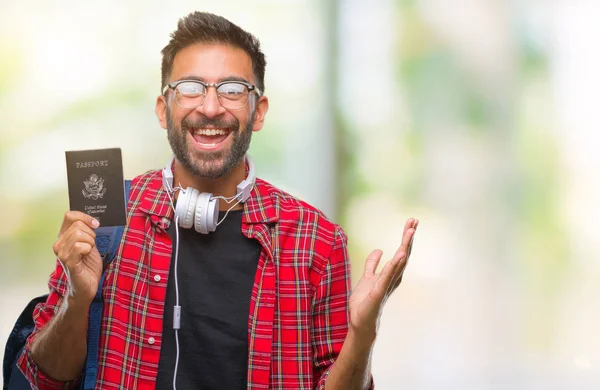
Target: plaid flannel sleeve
330, 310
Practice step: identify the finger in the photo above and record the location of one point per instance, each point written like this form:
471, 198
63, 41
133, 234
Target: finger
398, 280
74, 216
79, 250
411, 223
79, 226
415, 224
403, 256
76, 253
412, 239
404, 263
71, 259
398, 276
80, 236
372, 262
71, 252
410, 245
65, 236
65, 246
404, 245
401, 262
408, 224
386, 276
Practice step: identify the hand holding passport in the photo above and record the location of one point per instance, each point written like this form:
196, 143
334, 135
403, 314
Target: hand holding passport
95, 180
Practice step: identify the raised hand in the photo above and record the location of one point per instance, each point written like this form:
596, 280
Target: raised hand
373, 290
76, 250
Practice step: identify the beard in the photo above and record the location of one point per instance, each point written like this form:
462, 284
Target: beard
209, 164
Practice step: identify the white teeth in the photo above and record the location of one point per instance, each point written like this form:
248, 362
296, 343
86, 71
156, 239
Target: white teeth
210, 132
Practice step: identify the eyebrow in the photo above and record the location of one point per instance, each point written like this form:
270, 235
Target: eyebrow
231, 78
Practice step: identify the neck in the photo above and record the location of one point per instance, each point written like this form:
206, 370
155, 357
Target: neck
225, 186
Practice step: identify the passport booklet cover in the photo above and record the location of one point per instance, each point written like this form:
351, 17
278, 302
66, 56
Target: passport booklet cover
95, 179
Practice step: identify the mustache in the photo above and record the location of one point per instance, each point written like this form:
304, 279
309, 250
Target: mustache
204, 122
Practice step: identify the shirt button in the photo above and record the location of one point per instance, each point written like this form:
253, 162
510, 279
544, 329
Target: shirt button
157, 278
151, 340
166, 222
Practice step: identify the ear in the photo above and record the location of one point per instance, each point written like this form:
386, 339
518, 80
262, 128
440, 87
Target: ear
262, 106
161, 110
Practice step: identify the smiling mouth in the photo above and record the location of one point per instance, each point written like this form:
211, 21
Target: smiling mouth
209, 138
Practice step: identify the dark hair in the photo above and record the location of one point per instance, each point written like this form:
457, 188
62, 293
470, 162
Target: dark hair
203, 27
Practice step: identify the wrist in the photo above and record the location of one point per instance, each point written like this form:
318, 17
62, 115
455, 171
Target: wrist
76, 305
363, 339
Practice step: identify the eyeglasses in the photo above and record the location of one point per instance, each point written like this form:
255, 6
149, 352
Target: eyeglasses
232, 95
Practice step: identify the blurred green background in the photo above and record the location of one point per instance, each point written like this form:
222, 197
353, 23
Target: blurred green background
477, 117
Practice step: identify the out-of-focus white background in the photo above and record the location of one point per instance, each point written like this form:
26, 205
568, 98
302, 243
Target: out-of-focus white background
481, 118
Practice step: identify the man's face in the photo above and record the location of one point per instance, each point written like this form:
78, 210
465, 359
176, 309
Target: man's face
210, 140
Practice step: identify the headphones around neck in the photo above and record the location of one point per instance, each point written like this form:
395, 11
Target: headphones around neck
201, 209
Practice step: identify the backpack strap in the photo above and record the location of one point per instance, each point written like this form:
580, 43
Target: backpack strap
13, 378
108, 240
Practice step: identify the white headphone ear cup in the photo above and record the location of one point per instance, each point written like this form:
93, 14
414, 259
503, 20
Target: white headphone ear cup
213, 215
186, 206
205, 218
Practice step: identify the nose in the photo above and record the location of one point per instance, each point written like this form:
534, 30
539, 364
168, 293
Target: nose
211, 106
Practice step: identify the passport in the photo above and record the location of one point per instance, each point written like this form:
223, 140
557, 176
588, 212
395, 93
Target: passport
95, 180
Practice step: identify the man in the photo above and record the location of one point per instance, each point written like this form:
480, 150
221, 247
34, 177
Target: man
264, 300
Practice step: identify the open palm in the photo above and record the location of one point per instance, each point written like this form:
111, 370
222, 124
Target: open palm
373, 289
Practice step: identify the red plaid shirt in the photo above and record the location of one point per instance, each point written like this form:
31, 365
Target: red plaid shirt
298, 316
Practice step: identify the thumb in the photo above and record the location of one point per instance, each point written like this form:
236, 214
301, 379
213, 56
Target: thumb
372, 262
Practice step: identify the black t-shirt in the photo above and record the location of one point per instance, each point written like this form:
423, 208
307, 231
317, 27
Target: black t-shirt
215, 277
